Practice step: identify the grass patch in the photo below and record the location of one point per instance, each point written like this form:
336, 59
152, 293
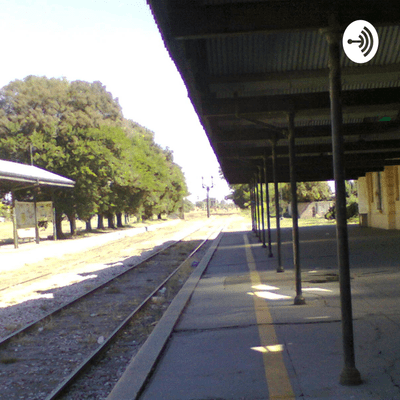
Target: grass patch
44, 307
13, 327
113, 290
303, 222
8, 360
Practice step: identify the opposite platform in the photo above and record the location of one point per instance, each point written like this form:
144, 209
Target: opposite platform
241, 337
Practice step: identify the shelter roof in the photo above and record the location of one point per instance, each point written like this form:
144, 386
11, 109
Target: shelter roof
15, 176
247, 64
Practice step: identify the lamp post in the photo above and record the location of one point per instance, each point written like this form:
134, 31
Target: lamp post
208, 194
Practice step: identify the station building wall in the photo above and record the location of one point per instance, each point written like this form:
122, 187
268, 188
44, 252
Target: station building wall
379, 198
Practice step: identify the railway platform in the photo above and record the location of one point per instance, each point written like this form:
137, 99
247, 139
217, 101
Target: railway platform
233, 332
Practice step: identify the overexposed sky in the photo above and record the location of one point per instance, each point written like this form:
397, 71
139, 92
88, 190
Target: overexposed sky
118, 43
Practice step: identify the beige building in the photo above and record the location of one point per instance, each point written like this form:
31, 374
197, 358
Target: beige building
311, 209
379, 198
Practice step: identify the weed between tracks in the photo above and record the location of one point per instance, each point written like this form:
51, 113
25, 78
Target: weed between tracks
13, 327
8, 360
113, 290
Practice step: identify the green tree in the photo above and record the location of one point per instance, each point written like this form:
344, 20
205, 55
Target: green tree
76, 129
59, 119
351, 201
51, 106
95, 159
162, 182
240, 195
307, 192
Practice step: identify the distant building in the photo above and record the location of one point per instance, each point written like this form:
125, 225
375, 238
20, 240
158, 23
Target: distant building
312, 209
379, 198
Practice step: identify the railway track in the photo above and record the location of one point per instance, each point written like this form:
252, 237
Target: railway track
25, 329
11, 282
41, 360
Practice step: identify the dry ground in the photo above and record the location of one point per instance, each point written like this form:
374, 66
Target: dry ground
29, 285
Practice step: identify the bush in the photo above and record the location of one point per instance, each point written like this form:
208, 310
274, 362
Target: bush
351, 211
331, 214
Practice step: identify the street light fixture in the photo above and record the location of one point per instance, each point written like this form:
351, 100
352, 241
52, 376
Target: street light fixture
208, 194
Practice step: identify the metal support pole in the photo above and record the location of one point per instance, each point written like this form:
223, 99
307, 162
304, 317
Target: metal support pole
262, 207
257, 207
259, 188
278, 226
299, 299
54, 215
37, 238
270, 255
208, 193
14, 217
208, 202
253, 206
349, 375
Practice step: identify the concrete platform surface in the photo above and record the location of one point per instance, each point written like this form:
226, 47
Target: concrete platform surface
240, 336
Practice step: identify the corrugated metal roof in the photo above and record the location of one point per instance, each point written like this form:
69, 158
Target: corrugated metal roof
261, 61
11, 172
266, 52
262, 53
287, 51
219, 2
250, 90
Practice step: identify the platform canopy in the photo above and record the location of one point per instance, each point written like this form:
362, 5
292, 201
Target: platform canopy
16, 176
247, 64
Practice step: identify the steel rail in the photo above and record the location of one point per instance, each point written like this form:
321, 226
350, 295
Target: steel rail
102, 348
23, 282
31, 325
147, 228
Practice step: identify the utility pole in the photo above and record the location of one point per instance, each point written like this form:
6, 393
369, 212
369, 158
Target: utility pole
208, 194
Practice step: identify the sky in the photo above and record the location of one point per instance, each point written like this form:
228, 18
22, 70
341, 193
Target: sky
117, 43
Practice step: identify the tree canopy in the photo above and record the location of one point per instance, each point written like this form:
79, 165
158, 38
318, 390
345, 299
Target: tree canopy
306, 192
77, 129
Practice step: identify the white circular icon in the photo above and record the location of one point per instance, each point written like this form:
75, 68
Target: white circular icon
360, 41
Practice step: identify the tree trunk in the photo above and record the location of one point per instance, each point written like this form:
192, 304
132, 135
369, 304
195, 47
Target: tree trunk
100, 222
110, 218
60, 234
119, 220
89, 225
159, 216
72, 224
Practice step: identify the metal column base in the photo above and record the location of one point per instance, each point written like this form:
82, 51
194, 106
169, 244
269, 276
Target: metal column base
299, 300
350, 377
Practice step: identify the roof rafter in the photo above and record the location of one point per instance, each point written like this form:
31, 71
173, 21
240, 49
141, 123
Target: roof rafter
193, 21
298, 102
257, 134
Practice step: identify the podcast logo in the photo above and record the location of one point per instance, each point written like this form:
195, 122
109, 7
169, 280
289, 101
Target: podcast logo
360, 41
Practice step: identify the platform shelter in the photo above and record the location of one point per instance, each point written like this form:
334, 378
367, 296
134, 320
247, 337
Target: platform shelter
16, 176
281, 102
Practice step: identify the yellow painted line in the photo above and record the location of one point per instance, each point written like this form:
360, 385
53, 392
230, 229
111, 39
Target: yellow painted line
278, 381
